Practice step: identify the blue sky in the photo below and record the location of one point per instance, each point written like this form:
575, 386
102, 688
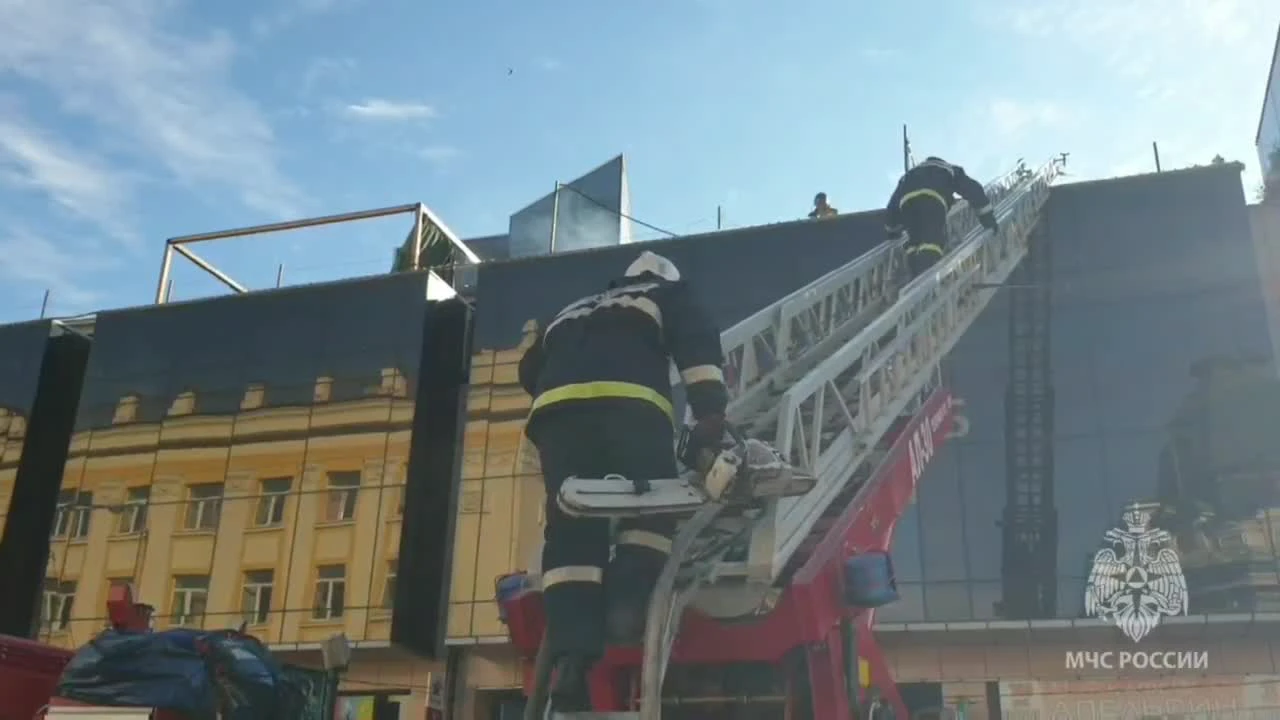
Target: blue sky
123, 122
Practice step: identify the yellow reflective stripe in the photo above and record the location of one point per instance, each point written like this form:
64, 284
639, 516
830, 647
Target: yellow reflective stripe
646, 538
926, 192
572, 574
602, 390
929, 247
702, 373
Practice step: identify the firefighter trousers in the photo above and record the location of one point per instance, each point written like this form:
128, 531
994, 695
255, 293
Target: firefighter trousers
579, 581
925, 220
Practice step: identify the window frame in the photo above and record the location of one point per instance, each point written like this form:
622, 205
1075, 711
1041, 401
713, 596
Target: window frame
342, 495
181, 611
133, 516
59, 593
74, 506
272, 502
257, 584
196, 513
331, 583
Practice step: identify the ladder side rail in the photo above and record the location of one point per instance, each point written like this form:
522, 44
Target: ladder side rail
899, 383
761, 350
662, 619
950, 298
916, 298
759, 408
766, 345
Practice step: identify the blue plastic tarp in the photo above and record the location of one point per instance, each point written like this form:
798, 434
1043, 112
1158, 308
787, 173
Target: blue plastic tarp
160, 670
193, 672
252, 684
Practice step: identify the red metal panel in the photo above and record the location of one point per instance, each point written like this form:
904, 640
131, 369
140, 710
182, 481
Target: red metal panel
29, 672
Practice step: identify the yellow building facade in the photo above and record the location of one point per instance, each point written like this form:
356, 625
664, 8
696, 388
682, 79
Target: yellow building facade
499, 526
500, 507
286, 519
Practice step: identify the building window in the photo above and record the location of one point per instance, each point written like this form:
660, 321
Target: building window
389, 587
190, 598
57, 599
344, 488
331, 590
271, 502
71, 520
204, 506
133, 513
255, 601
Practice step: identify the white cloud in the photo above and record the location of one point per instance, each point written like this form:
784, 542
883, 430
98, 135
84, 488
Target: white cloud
27, 258
549, 64
390, 110
288, 12
72, 178
1187, 73
162, 95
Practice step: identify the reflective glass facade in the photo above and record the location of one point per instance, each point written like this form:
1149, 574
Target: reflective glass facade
284, 459
586, 212
1268, 139
1161, 389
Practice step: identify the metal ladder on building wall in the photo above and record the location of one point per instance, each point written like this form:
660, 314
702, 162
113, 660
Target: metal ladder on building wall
824, 372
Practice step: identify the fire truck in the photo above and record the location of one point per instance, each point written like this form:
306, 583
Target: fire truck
843, 378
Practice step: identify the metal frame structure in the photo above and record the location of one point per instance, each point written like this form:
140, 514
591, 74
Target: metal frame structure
424, 222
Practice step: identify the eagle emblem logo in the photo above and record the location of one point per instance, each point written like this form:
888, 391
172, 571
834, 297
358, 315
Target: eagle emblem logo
1138, 579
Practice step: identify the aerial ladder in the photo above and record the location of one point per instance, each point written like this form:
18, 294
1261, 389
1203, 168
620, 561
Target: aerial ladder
843, 378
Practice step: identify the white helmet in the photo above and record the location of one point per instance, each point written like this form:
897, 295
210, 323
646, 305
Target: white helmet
649, 262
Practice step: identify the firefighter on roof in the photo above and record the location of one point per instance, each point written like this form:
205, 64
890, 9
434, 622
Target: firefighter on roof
919, 207
599, 375
821, 208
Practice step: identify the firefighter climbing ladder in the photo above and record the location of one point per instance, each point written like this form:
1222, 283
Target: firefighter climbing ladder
823, 373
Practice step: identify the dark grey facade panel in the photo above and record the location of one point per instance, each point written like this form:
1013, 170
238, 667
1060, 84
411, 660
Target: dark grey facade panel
734, 272
41, 370
1151, 277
